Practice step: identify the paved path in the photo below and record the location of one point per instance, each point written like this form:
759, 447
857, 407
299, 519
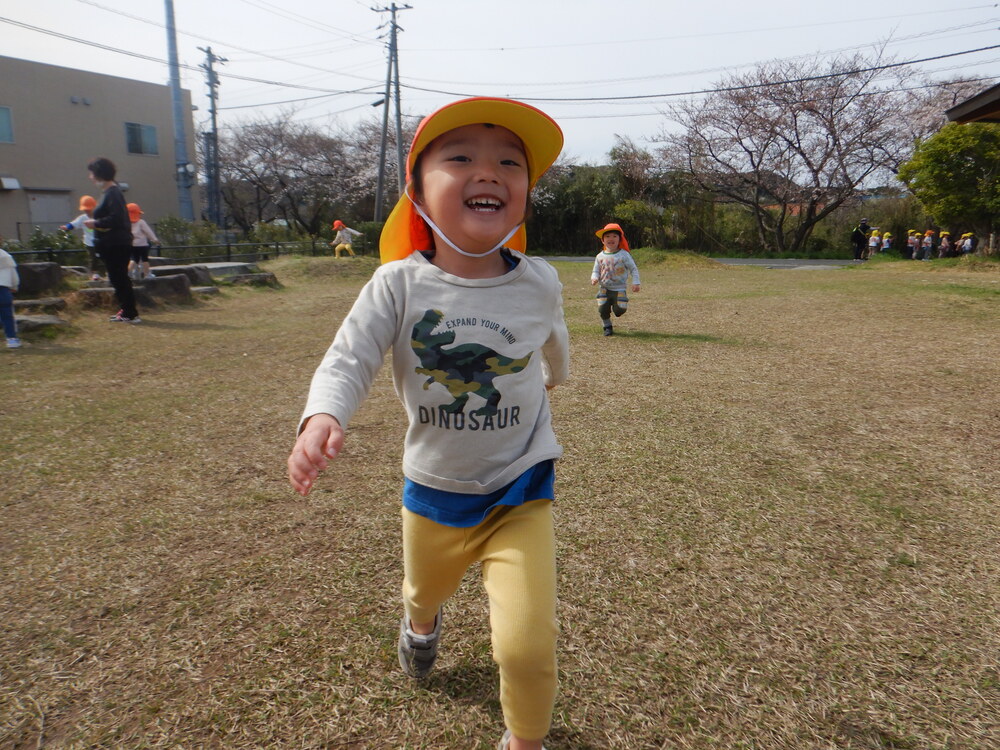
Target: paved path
789, 263
784, 263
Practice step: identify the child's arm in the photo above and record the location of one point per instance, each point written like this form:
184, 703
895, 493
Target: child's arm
342, 380
555, 351
148, 232
76, 223
634, 269
594, 274
320, 440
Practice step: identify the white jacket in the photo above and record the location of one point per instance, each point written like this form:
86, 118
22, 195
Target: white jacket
8, 271
470, 362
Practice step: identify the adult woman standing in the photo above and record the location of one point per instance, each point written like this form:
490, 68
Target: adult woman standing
113, 236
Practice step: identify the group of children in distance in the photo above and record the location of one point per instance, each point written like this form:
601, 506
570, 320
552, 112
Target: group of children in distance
478, 339
919, 245
923, 247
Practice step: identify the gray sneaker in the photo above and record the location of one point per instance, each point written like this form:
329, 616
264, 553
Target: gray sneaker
418, 652
504, 742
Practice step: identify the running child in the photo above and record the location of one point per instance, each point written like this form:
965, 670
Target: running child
343, 240
477, 336
612, 268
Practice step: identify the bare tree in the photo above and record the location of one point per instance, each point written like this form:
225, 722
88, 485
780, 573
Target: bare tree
281, 168
926, 102
791, 142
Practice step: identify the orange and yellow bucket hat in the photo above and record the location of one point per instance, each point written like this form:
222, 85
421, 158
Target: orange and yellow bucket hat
405, 231
614, 228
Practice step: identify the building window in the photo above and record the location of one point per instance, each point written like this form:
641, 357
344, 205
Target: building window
141, 139
6, 126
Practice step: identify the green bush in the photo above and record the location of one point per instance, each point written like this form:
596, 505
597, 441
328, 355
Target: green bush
173, 231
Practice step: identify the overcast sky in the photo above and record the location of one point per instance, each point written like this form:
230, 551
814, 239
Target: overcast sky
541, 51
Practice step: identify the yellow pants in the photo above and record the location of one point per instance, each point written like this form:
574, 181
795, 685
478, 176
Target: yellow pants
341, 247
516, 547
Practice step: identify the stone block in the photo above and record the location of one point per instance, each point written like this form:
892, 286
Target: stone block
39, 278
197, 275
46, 304
175, 287
227, 269
104, 297
33, 323
255, 279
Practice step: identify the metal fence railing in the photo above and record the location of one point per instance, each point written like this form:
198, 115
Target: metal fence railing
243, 252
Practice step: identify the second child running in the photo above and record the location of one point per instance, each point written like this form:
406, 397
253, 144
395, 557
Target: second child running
612, 267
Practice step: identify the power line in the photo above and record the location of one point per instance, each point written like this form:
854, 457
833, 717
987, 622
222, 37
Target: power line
722, 89
880, 92
703, 71
365, 90
566, 100
676, 37
257, 53
161, 61
312, 23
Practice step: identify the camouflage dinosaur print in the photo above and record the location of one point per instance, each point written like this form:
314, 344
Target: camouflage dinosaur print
464, 369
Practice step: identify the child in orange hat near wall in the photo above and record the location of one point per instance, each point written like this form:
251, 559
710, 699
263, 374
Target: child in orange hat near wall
612, 268
142, 236
477, 336
87, 204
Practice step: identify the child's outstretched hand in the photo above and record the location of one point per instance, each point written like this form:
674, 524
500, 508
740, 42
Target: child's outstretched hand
320, 440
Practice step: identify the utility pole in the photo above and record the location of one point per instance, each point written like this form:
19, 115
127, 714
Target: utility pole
212, 140
184, 169
391, 70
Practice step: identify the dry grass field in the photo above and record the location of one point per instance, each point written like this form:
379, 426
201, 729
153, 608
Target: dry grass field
778, 525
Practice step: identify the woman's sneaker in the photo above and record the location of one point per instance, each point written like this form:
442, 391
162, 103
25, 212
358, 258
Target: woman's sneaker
13, 343
119, 317
417, 652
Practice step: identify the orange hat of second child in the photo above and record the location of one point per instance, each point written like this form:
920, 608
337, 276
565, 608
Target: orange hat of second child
134, 212
338, 224
613, 228
87, 203
405, 231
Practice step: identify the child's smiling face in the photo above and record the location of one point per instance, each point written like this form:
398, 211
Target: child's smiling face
611, 241
474, 185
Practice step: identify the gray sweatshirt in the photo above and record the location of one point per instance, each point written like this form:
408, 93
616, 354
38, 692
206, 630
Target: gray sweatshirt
470, 362
611, 270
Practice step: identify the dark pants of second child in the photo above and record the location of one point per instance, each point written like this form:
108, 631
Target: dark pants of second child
116, 258
95, 260
609, 301
7, 312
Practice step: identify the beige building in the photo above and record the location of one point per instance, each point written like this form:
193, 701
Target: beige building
54, 120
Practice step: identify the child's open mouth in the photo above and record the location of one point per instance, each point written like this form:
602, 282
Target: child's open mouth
484, 205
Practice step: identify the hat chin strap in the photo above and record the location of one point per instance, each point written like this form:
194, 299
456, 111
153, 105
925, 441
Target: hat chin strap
451, 244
